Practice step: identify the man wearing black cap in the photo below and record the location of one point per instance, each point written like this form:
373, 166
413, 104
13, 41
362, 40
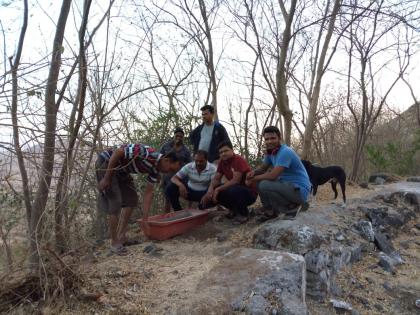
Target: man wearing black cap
183, 153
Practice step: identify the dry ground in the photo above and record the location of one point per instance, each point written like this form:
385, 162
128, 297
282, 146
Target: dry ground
142, 283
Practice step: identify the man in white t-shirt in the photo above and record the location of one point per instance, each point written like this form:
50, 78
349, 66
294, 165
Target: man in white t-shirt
191, 182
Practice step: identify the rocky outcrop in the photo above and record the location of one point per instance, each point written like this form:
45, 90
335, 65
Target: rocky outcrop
256, 282
331, 238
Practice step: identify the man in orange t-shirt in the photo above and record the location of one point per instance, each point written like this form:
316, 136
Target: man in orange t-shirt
233, 193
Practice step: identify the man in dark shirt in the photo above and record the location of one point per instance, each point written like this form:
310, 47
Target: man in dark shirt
209, 134
233, 194
181, 150
116, 186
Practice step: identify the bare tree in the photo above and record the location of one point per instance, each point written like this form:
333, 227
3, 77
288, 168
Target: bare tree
49, 140
366, 38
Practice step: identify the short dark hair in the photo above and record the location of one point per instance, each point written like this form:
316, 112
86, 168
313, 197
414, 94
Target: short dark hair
225, 144
172, 156
201, 152
179, 129
272, 129
207, 107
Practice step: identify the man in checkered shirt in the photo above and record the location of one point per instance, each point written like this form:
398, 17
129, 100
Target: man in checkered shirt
117, 192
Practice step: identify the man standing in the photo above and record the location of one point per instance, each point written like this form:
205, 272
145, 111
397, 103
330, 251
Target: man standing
233, 193
286, 186
191, 182
117, 193
209, 134
176, 145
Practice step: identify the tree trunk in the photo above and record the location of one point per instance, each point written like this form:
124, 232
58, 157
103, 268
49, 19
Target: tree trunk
314, 98
49, 139
210, 66
61, 198
16, 142
282, 99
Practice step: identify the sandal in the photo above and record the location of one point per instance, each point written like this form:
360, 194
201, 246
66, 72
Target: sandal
239, 219
266, 217
130, 242
119, 250
230, 215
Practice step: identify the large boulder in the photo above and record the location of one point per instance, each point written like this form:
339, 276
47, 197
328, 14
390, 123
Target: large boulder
255, 282
288, 235
387, 178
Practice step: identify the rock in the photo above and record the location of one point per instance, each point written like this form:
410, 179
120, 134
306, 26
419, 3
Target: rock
366, 230
335, 289
379, 181
287, 235
341, 305
386, 177
318, 284
342, 256
364, 185
417, 226
405, 244
317, 260
379, 307
415, 179
383, 243
221, 237
254, 282
257, 305
387, 286
388, 263
356, 253
339, 237
362, 300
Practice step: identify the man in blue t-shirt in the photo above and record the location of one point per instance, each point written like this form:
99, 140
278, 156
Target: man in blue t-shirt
282, 181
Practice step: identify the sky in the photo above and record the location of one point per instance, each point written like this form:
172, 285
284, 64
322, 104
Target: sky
43, 15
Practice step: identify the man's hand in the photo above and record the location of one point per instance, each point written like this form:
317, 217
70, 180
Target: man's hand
206, 198
250, 175
104, 184
183, 191
215, 195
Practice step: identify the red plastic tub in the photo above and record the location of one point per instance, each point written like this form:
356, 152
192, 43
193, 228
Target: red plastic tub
164, 226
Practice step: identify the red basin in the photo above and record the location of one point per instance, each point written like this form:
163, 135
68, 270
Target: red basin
164, 226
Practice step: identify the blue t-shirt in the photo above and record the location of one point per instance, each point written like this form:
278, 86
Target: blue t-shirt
294, 171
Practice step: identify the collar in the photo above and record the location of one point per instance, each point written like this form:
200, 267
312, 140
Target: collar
205, 169
273, 151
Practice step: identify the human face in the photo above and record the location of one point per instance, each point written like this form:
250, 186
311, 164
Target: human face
225, 153
166, 166
272, 140
207, 116
200, 162
179, 138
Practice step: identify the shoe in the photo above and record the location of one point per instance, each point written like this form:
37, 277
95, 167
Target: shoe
118, 249
291, 215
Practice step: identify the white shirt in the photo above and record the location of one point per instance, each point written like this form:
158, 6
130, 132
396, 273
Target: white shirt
197, 181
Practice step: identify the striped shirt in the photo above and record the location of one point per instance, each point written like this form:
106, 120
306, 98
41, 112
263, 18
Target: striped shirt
197, 181
138, 158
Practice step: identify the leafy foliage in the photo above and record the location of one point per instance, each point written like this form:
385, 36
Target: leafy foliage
394, 157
